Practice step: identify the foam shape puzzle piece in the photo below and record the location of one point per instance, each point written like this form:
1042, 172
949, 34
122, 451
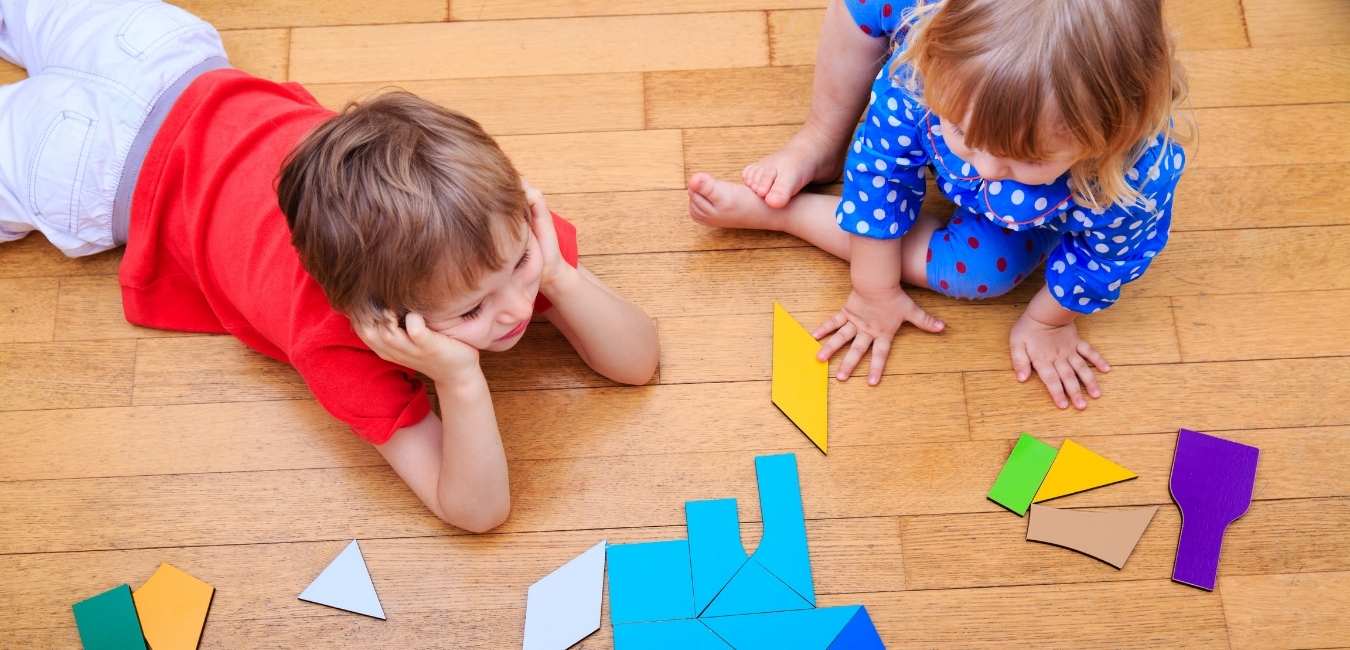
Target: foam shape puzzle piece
807, 629
1212, 481
345, 584
650, 581
782, 548
715, 549
859, 634
801, 383
1076, 469
1108, 535
172, 606
687, 634
108, 621
752, 591
563, 607
1022, 474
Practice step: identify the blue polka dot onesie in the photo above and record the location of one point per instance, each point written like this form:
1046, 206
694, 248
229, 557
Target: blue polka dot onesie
1001, 230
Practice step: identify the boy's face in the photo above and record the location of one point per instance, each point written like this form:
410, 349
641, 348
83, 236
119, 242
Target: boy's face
493, 316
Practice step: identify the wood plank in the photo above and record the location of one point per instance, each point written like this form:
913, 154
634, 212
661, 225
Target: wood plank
553, 104
738, 97
594, 492
651, 221
1262, 197
515, 48
194, 369
260, 52
1273, 23
1217, 397
1145, 614
1135, 332
412, 575
34, 256
28, 309
517, 9
231, 14
65, 375
1261, 610
1198, 24
10, 73
1303, 324
598, 162
1250, 261
1264, 75
90, 308
985, 550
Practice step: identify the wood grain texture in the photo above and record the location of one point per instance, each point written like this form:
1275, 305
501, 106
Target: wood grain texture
230, 14
1261, 197
33, 256
28, 309
598, 162
10, 73
1301, 324
514, 48
1219, 396
261, 52
90, 308
1272, 23
551, 104
66, 375
1259, 616
1268, 75
515, 9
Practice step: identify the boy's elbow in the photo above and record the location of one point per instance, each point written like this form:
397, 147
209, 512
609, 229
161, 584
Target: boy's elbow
479, 518
640, 370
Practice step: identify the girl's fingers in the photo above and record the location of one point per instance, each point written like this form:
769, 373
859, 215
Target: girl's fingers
1052, 383
1021, 362
925, 321
854, 355
1088, 352
840, 338
881, 350
835, 322
1085, 375
1071, 386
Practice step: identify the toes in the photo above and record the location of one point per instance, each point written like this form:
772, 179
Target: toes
785, 186
760, 178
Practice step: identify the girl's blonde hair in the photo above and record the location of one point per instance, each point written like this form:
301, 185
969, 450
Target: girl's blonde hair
1105, 71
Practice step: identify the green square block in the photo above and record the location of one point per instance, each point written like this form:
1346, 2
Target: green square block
108, 621
1022, 474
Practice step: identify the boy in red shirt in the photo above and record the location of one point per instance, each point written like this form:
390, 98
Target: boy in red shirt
358, 246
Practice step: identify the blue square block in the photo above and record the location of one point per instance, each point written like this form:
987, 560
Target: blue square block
650, 582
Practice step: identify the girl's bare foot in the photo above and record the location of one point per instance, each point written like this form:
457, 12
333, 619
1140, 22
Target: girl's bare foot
729, 205
808, 157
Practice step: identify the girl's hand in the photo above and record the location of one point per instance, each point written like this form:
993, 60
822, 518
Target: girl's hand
541, 222
871, 319
431, 353
1060, 357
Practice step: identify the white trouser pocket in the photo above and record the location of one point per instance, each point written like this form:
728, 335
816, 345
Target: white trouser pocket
56, 178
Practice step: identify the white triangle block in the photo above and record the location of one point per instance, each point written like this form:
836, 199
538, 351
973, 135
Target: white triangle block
345, 584
564, 606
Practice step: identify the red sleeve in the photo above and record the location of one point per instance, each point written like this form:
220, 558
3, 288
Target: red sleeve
374, 396
567, 246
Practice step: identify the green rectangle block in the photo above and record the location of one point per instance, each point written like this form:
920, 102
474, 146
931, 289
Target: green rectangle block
1022, 474
108, 621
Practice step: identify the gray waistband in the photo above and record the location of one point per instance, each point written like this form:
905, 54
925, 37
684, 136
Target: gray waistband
131, 170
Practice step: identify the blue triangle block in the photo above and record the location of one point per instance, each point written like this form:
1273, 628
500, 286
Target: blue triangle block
688, 634
755, 590
783, 550
807, 629
650, 582
715, 550
859, 634
345, 584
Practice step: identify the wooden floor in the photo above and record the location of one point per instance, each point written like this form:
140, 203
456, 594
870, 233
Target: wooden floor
126, 447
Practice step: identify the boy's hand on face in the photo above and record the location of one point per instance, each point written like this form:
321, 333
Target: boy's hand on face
871, 319
440, 357
1060, 358
541, 222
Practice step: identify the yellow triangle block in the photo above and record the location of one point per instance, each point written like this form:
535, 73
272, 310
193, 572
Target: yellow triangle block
172, 606
800, 382
1077, 468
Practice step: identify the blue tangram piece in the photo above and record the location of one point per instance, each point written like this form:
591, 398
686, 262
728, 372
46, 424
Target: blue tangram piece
783, 549
649, 582
345, 584
687, 634
754, 590
715, 550
859, 634
807, 629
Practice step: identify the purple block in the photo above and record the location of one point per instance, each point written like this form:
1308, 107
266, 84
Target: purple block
1211, 482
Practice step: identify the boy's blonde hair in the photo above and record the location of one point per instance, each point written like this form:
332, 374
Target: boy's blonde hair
1106, 70
397, 202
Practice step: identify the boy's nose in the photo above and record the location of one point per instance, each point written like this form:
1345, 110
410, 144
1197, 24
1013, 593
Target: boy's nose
519, 308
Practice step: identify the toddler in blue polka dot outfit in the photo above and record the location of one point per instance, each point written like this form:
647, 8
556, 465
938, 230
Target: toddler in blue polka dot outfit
1049, 125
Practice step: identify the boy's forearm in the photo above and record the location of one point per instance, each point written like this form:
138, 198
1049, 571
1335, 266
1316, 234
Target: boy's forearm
613, 336
474, 490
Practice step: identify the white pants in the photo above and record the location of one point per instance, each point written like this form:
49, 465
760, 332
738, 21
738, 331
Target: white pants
96, 69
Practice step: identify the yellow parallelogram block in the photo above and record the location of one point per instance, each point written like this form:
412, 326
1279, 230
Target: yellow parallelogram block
800, 382
172, 606
1077, 468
